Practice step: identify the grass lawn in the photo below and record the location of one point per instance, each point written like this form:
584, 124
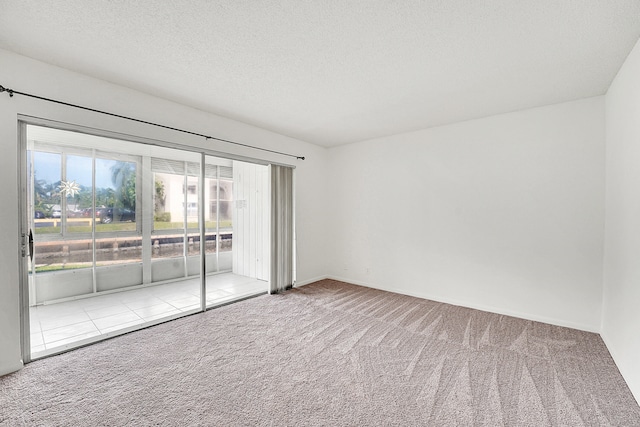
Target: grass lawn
59, 267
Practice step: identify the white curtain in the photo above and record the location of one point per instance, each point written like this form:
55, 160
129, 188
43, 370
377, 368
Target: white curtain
282, 256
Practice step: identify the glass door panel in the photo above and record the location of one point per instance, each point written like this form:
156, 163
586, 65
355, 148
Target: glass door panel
116, 237
116, 195
78, 191
46, 174
235, 197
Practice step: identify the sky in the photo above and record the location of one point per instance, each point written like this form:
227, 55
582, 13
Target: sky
48, 167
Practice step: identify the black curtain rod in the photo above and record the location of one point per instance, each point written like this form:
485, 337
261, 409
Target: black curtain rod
11, 92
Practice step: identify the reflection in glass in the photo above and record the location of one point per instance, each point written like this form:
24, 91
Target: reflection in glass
224, 189
219, 216
175, 209
47, 210
226, 242
168, 201
118, 250
193, 244
79, 174
226, 200
56, 199
116, 197
191, 201
168, 215
74, 190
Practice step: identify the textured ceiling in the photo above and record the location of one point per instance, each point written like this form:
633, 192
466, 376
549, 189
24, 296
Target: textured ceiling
333, 71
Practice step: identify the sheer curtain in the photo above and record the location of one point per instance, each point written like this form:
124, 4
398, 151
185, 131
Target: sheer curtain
281, 229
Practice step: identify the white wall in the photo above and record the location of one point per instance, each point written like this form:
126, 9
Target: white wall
503, 213
621, 301
26, 75
251, 234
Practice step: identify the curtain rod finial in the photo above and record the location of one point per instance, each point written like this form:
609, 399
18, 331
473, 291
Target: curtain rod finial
300, 158
6, 89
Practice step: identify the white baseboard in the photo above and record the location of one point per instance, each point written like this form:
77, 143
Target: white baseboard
463, 303
308, 281
12, 368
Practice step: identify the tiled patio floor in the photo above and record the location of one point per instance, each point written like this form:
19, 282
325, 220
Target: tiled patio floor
58, 327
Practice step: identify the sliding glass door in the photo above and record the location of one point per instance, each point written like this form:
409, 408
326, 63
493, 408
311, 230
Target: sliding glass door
84, 217
115, 230
126, 235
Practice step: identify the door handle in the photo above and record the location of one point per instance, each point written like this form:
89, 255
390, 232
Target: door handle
31, 245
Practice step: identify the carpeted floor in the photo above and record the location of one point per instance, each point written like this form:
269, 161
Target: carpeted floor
329, 354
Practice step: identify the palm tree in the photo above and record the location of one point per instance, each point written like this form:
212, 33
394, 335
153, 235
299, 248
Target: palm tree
45, 195
123, 176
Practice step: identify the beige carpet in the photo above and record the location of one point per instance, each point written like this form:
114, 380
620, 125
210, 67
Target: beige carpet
329, 354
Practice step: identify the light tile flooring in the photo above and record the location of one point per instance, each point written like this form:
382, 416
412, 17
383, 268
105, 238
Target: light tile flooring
58, 327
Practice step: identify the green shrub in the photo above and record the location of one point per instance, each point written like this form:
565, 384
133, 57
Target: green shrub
162, 217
